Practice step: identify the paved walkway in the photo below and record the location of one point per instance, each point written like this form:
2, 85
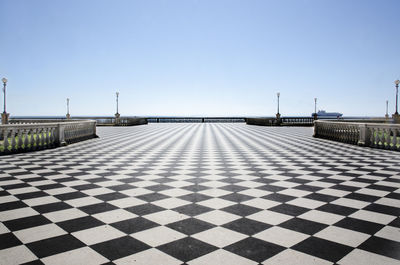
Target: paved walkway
201, 194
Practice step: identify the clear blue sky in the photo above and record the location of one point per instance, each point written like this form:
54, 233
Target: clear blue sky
188, 57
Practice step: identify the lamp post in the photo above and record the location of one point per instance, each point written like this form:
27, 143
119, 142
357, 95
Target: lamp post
396, 116
278, 115
4, 115
387, 108
117, 94
397, 82
117, 115
315, 109
68, 115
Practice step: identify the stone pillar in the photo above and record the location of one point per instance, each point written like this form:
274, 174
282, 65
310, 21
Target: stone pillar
278, 118
4, 118
364, 135
117, 115
396, 118
60, 140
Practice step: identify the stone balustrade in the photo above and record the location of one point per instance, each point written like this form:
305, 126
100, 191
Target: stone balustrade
29, 135
377, 135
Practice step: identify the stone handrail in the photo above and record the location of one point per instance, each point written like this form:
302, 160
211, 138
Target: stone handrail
377, 135
22, 137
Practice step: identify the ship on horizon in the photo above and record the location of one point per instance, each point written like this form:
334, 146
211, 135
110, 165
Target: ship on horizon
323, 113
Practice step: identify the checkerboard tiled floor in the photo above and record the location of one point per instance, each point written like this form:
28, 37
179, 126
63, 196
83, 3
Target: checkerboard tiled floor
201, 194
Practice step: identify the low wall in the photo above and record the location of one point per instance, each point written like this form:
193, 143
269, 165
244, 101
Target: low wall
377, 135
30, 135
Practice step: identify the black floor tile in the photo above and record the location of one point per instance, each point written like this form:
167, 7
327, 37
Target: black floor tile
192, 209
82, 223
323, 249
120, 247
247, 226
289, 209
52, 207
187, 248
54, 245
134, 225
26, 222
190, 226
255, 249
8, 240
337, 209
303, 226
98, 208
382, 246
144, 209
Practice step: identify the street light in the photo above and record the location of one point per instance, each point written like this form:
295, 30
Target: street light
278, 94
397, 82
4, 115
4, 91
117, 115
387, 108
68, 115
315, 109
117, 94
278, 116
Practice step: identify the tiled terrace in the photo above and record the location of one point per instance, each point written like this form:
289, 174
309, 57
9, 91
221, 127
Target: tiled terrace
201, 194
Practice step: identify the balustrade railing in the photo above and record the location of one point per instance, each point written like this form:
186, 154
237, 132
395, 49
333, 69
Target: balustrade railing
377, 135
194, 119
22, 136
284, 121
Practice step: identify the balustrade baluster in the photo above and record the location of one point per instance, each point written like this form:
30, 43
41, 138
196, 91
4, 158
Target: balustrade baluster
6, 143
387, 138
26, 138
38, 138
52, 136
42, 135
394, 139
45, 134
376, 140
20, 131
13, 143
32, 143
